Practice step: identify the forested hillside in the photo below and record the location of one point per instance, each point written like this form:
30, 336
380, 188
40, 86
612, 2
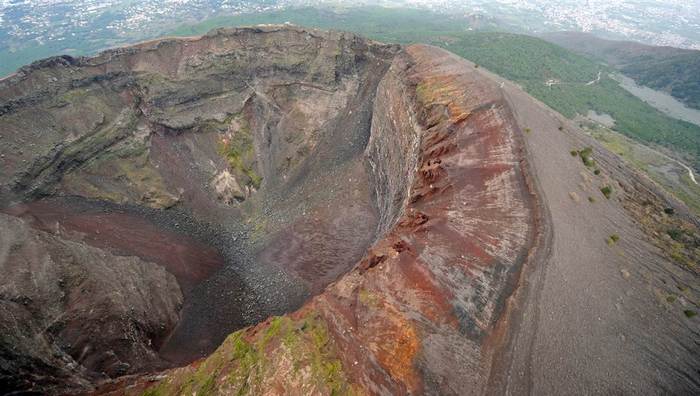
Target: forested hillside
673, 70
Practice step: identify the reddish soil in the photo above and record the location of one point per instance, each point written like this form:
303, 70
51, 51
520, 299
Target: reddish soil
126, 234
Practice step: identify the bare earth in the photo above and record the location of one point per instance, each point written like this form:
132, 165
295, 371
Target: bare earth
589, 319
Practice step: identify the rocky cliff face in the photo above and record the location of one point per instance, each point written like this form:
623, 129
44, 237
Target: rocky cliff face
74, 313
260, 100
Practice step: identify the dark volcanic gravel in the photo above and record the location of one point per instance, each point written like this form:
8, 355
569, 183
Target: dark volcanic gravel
232, 292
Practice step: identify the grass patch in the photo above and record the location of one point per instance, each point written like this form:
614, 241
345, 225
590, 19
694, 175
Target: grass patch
240, 154
689, 313
247, 361
368, 298
613, 239
607, 191
155, 391
591, 199
587, 156
675, 233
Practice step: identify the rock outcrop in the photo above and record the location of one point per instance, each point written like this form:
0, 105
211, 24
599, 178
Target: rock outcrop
73, 314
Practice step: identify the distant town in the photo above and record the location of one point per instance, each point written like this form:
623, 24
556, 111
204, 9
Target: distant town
32, 29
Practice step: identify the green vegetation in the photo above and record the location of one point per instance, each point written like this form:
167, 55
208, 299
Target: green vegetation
152, 392
654, 163
675, 233
368, 298
591, 199
612, 239
240, 153
246, 360
689, 313
673, 70
607, 191
676, 74
587, 156
684, 244
532, 62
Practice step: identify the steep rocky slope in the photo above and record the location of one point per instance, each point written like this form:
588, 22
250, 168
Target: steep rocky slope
70, 311
336, 216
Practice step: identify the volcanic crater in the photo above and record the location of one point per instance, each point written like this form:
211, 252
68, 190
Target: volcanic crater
314, 211
236, 161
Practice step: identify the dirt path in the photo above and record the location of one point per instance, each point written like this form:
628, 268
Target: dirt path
597, 79
684, 166
589, 318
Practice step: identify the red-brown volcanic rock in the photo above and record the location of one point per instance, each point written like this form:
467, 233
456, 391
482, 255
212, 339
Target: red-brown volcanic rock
128, 235
442, 275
